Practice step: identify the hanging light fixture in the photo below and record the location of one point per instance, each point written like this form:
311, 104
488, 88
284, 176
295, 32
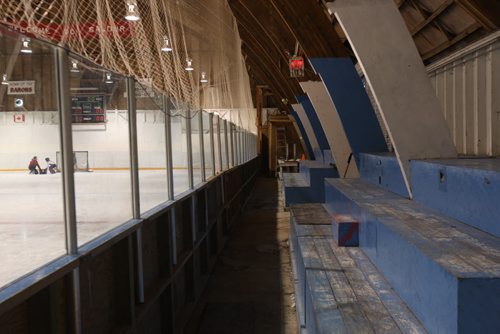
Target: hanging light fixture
74, 66
26, 48
189, 64
132, 11
4, 79
108, 78
166, 45
203, 77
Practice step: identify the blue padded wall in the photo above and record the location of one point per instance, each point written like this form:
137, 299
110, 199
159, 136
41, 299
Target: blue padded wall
352, 103
465, 189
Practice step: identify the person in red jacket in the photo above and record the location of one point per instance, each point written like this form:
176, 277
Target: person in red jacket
34, 165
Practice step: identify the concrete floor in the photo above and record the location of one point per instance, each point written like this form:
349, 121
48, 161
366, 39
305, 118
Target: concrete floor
31, 212
251, 289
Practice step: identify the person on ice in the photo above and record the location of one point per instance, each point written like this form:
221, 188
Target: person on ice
51, 166
33, 165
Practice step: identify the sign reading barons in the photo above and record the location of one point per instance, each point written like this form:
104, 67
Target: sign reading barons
21, 87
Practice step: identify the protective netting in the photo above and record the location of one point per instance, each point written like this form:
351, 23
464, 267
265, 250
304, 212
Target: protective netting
202, 30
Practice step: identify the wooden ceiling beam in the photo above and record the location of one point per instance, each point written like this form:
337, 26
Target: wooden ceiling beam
487, 12
248, 37
307, 22
263, 76
443, 46
440, 10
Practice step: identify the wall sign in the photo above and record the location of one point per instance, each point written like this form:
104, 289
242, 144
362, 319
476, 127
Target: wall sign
21, 87
19, 118
88, 109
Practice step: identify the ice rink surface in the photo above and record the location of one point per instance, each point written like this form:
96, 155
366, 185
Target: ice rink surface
31, 212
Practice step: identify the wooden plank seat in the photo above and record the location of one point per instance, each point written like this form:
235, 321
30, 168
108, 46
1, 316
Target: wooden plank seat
338, 290
446, 271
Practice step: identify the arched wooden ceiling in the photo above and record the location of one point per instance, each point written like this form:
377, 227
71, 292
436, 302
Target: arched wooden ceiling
270, 28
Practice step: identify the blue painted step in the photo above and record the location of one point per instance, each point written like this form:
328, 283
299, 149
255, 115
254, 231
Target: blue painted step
337, 289
307, 186
465, 189
447, 272
383, 169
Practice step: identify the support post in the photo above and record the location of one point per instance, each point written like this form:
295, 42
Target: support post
66, 130
400, 85
134, 172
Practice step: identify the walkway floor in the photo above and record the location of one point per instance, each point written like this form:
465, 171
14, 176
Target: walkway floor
251, 288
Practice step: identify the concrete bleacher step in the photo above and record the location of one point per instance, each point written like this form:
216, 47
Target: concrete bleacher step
338, 290
307, 186
446, 271
465, 189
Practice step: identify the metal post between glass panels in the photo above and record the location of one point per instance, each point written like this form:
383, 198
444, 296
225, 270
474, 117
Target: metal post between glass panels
219, 144
134, 173
168, 151
189, 149
212, 144
202, 146
226, 144
66, 130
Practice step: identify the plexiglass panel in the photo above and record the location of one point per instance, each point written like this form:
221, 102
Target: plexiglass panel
101, 149
195, 144
179, 150
151, 144
207, 145
31, 200
223, 144
217, 144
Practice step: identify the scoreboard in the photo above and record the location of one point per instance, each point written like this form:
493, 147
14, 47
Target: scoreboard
88, 109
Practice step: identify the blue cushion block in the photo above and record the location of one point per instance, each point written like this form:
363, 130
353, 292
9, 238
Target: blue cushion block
345, 230
465, 189
383, 169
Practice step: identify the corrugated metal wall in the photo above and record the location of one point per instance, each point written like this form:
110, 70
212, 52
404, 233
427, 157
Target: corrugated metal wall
468, 85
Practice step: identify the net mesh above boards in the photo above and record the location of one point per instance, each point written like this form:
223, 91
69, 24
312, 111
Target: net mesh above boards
203, 30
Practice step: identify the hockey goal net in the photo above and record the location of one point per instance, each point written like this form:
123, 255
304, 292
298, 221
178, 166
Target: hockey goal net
80, 161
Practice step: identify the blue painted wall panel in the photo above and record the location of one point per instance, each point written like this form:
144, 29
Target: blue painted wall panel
383, 169
303, 133
465, 189
352, 103
480, 297
315, 123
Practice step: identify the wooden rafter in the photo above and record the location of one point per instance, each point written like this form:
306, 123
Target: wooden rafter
440, 10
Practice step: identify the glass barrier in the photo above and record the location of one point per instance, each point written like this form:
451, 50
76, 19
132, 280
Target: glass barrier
217, 142
223, 144
32, 214
151, 144
101, 149
207, 145
230, 138
195, 145
179, 150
